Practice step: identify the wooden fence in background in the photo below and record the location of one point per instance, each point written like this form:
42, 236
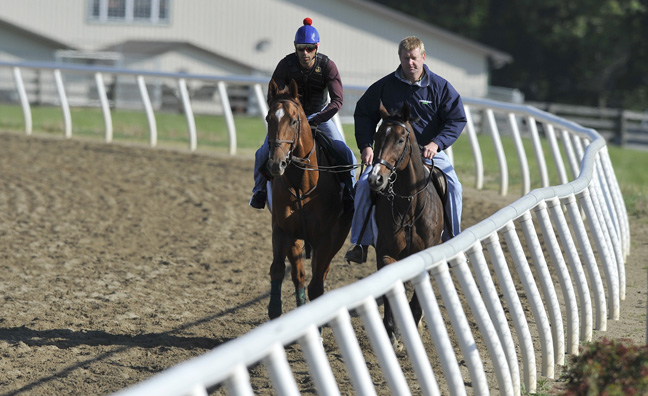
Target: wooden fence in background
621, 127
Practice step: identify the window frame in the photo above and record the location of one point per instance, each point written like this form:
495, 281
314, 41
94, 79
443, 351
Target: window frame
97, 12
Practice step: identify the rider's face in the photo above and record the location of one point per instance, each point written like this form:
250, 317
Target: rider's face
306, 54
412, 64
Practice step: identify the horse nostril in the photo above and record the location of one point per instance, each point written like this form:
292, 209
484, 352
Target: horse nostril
283, 164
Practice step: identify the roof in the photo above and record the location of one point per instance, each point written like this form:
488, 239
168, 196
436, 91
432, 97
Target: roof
150, 47
30, 34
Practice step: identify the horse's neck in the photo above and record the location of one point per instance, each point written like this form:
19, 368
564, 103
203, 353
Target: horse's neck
305, 144
412, 178
305, 150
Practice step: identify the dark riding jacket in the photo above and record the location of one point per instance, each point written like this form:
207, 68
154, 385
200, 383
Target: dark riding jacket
437, 113
315, 85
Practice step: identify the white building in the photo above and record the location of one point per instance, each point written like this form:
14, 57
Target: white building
246, 37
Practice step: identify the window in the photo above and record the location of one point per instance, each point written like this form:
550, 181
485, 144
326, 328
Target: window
142, 9
129, 11
116, 9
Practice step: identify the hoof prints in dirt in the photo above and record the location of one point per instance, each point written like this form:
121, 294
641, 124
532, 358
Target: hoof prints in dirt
119, 262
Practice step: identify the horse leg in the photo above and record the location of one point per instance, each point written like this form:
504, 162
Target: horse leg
417, 312
277, 271
297, 271
388, 318
320, 265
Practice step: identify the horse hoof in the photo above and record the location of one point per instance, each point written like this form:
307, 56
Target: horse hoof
274, 310
397, 345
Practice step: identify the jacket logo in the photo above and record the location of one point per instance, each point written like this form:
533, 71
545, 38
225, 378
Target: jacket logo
425, 102
318, 69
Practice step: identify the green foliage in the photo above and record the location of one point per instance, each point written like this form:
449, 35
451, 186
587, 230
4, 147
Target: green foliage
629, 167
581, 51
608, 367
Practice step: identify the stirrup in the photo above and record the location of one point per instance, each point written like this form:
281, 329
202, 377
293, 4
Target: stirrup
357, 253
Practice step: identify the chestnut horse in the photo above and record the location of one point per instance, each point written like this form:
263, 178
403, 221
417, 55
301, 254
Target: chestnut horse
306, 202
409, 211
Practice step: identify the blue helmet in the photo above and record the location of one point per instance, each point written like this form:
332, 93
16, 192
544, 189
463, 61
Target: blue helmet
307, 34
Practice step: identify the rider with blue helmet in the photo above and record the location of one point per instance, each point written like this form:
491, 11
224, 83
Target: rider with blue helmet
317, 78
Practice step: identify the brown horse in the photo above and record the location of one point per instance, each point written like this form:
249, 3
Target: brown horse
306, 202
409, 211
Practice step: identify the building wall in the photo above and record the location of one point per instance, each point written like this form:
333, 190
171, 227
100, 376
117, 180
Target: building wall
362, 42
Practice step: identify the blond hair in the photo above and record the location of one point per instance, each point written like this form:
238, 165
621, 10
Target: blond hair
410, 43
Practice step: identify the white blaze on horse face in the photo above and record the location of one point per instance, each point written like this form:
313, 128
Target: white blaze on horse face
279, 113
376, 167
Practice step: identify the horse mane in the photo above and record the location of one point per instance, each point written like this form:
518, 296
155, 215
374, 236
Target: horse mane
395, 115
289, 92
284, 94
400, 115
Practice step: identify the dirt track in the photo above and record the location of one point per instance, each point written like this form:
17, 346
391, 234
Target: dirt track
118, 262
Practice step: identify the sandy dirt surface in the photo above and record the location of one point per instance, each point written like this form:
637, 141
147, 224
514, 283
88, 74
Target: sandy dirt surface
118, 262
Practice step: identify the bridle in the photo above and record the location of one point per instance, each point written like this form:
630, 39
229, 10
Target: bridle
401, 158
277, 143
388, 191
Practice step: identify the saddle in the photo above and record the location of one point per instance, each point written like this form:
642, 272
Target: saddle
440, 182
326, 147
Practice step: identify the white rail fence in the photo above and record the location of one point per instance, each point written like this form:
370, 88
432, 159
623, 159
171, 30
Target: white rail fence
576, 234
84, 94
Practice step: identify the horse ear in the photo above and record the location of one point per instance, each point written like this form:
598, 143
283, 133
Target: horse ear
383, 111
272, 90
293, 89
405, 112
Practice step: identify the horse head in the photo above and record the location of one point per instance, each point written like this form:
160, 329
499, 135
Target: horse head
286, 122
393, 145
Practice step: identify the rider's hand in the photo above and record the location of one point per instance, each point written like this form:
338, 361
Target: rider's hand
430, 150
367, 156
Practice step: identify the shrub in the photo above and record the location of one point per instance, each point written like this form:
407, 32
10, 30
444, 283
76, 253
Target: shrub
608, 367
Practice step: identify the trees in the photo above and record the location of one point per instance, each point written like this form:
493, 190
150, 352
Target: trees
581, 51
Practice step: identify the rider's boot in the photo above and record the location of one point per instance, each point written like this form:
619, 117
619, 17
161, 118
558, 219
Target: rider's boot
348, 194
258, 199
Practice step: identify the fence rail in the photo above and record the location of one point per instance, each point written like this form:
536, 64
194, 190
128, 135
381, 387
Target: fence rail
619, 126
576, 234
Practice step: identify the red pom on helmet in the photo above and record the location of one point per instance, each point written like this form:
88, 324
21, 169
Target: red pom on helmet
308, 21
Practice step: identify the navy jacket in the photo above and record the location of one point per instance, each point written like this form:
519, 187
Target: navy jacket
437, 113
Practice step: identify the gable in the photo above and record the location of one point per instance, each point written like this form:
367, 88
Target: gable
19, 44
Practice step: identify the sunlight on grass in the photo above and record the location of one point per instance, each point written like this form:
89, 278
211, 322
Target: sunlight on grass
212, 134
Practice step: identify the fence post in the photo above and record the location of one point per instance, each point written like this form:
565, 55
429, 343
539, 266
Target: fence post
24, 102
621, 134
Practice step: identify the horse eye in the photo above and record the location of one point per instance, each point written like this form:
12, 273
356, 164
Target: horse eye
401, 141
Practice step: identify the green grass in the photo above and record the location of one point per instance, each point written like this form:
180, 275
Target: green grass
212, 135
132, 126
